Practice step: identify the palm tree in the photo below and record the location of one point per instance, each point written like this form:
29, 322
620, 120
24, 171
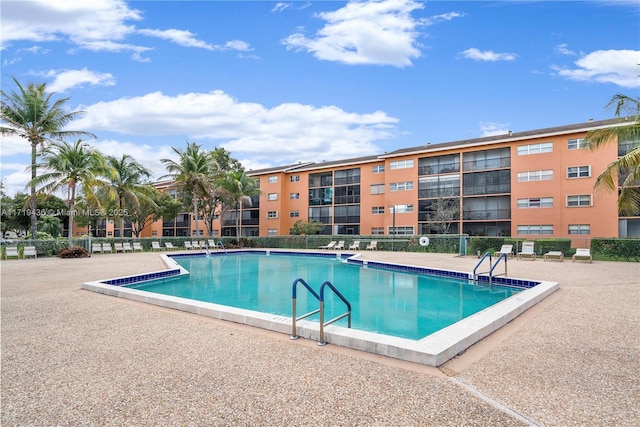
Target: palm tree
67, 167
240, 188
31, 113
193, 173
625, 171
125, 185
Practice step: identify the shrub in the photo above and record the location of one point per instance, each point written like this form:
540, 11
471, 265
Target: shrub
627, 249
74, 252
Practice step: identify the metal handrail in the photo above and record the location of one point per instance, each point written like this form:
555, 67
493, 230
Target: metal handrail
222, 246
475, 275
294, 332
322, 322
502, 256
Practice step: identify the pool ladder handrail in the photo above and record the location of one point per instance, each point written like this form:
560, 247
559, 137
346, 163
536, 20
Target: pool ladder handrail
492, 267
222, 246
320, 298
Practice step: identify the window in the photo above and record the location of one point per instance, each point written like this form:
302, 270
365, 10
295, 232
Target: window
377, 210
154, 233
401, 186
294, 196
402, 208
377, 188
544, 175
535, 229
405, 231
272, 214
273, 179
579, 229
579, 172
377, 169
347, 176
439, 164
579, 200
272, 196
540, 202
486, 159
294, 178
439, 186
574, 144
377, 231
272, 232
544, 147
294, 214
401, 164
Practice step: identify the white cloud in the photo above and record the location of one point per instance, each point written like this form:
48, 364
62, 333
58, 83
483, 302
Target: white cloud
279, 7
149, 156
379, 33
278, 135
15, 177
487, 55
619, 67
11, 145
443, 18
564, 50
180, 37
491, 128
66, 79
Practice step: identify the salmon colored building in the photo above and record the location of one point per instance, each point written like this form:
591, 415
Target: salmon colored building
532, 184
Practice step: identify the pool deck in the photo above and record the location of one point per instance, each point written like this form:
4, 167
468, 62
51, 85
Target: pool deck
71, 357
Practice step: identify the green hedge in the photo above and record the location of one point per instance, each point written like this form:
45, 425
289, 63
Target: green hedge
616, 249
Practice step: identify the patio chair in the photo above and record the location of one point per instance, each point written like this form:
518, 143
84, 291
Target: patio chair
126, 246
505, 249
553, 255
169, 246
340, 245
527, 251
331, 245
137, 247
106, 247
195, 244
29, 251
203, 244
96, 247
582, 254
12, 251
118, 247
373, 246
188, 245
355, 245
155, 246
213, 244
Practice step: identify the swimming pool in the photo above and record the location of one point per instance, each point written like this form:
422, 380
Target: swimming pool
384, 301
431, 348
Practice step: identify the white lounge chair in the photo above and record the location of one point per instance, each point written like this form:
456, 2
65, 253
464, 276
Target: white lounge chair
155, 246
127, 247
331, 245
355, 245
582, 253
188, 245
118, 247
213, 244
340, 245
29, 251
96, 247
527, 251
373, 246
505, 249
551, 255
137, 247
195, 244
11, 252
106, 247
202, 244
169, 246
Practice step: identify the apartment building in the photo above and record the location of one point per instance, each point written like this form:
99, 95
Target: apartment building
523, 184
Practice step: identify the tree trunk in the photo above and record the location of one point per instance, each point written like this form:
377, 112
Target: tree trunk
72, 199
121, 217
238, 222
195, 215
34, 219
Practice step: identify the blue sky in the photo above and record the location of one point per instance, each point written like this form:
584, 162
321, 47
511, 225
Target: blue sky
280, 82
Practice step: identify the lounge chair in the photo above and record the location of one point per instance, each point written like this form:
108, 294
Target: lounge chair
137, 247
505, 249
195, 244
169, 246
339, 246
155, 246
213, 244
127, 247
12, 251
373, 246
118, 247
331, 245
29, 251
355, 245
203, 244
188, 245
106, 247
582, 253
551, 255
527, 251
96, 247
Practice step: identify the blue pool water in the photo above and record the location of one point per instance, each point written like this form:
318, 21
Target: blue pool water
383, 301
